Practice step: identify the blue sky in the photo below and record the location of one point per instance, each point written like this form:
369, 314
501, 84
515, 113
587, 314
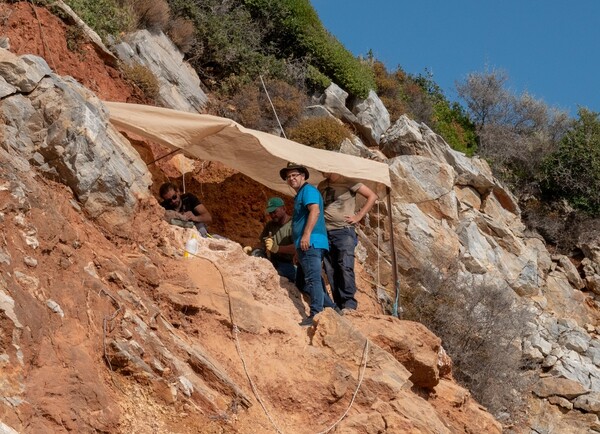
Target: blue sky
548, 48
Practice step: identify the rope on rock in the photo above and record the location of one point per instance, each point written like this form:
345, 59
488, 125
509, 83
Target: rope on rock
365, 358
235, 331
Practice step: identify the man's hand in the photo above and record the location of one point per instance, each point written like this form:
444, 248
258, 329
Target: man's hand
247, 250
270, 245
352, 219
189, 216
305, 242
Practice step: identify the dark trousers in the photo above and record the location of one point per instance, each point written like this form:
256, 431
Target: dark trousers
339, 266
309, 281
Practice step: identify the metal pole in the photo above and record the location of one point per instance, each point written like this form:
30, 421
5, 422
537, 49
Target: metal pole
394, 261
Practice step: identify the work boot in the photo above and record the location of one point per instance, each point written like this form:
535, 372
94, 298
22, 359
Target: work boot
307, 322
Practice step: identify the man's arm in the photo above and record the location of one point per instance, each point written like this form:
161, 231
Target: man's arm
311, 221
371, 197
202, 217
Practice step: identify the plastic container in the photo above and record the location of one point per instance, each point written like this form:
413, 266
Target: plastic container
191, 247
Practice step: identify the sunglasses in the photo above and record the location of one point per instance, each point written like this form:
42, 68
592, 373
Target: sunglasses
172, 198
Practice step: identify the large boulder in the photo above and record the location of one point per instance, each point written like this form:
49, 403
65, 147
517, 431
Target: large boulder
64, 130
334, 101
408, 137
179, 84
373, 117
410, 343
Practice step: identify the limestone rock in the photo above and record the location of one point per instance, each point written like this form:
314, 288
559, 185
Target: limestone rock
22, 72
373, 118
561, 402
553, 386
468, 197
356, 147
410, 343
564, 300
589, 402
428, 184
179, 84
591, 249
571, 272
71, 139
334, 101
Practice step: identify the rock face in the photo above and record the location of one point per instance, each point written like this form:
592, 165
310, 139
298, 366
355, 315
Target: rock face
62, 128
369, 116
449, 209
179, 85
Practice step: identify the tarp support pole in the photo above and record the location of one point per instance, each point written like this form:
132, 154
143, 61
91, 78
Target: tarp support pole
394, 261
164, 156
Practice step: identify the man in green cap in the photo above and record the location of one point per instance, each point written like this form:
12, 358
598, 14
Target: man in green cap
276, 239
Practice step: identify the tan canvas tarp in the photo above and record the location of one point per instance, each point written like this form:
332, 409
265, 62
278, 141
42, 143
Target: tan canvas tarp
254, 153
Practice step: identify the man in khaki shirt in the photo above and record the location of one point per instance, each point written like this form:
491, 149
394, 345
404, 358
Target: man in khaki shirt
339, 198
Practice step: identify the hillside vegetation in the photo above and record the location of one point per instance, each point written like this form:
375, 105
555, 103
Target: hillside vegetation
538, 150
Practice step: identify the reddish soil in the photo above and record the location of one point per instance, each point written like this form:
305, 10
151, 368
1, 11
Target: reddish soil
34, 30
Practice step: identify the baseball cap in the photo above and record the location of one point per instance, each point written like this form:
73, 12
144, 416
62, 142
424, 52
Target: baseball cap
274, 203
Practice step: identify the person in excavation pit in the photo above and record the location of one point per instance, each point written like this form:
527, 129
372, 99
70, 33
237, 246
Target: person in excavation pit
339, 198
184, 209
310, 238
276, 240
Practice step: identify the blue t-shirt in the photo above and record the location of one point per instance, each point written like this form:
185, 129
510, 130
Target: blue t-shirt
308, 195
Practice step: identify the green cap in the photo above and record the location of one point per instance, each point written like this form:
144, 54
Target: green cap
274, 203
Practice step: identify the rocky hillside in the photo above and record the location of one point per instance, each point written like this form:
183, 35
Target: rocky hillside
106, 328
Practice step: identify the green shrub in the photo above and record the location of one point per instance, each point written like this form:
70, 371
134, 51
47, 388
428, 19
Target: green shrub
316, 80
143, 78
294, 27
573, 171
227, 43
451, 122
75, 39
106, 17
323, 133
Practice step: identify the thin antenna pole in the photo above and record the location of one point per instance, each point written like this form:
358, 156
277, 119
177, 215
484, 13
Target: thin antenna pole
272, 106
396, 309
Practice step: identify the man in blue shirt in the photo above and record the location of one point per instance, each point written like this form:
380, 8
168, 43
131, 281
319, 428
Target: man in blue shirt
310, 235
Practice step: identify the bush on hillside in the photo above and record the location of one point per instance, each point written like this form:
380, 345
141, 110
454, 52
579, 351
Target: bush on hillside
389, 89
143, 78
294, 27
423, 100
480, 327
152, 15
515, 132
183, 33
323, 133
572, 172
252, 108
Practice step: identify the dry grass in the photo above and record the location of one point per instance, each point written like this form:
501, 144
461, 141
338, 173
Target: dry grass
183, 33
143, 78
480, 326
153, 15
